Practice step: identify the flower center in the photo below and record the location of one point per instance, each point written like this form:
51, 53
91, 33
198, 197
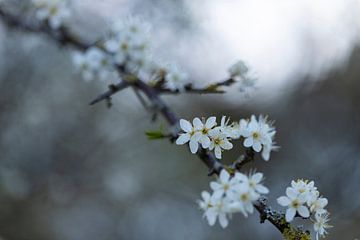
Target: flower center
244, 197
217, 141
124, 46
53, 11
255, 135
205, 130
295, 203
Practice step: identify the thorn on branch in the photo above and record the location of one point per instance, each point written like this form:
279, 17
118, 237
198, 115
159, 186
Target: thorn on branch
113, 88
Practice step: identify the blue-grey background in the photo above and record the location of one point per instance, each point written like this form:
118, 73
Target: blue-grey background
73, 172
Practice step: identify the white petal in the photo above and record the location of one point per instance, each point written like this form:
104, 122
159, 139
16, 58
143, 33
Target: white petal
185, 125
323, 202
196, 137
241, 177
290, 214
215, 186
303, 211
205, 141
257, 146
211, 216
182, 139
198, 125
223, 220
205, 195
257, 177
226, 145
218, 152
194, 146
248, 142
210, 122
262, 189
265, 154
224, 176
291, 193
283, 201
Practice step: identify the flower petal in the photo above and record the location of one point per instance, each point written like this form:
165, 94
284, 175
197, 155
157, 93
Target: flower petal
210, 122
290, 214
291, 193
223, 220
303, 211
205, 141
182, 139
283, 201
248, 142
224, 176
261, 189
225, 144
257, 146
218, 152
198, 125
194, 146
257, 177
185, 125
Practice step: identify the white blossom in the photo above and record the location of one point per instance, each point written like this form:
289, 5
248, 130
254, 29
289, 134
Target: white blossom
321, 224
295, 204
218, 209
318, 205
238, 69
94, 63
243, 200
259, 136
190, 135
219, 141
53, 11
175, 78
224, 185
240, 72
205, 203
253, 181
231, 194
231, 130
128, 43
203, 130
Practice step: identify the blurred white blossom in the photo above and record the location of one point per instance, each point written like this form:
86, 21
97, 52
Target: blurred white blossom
53, 11
94, 63
241, 73
175, 78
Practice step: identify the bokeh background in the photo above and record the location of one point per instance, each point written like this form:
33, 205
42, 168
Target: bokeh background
73, 172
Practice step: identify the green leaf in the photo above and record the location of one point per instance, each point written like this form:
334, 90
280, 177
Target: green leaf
152, 135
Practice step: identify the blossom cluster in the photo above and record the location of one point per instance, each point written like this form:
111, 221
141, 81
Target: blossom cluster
127, 45
94, 63
231, 194
258, 134
304, 199
241, 72
52, 11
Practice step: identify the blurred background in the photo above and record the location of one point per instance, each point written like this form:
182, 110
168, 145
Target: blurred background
73, 172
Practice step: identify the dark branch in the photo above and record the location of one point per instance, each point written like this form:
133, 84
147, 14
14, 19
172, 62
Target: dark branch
113, 88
